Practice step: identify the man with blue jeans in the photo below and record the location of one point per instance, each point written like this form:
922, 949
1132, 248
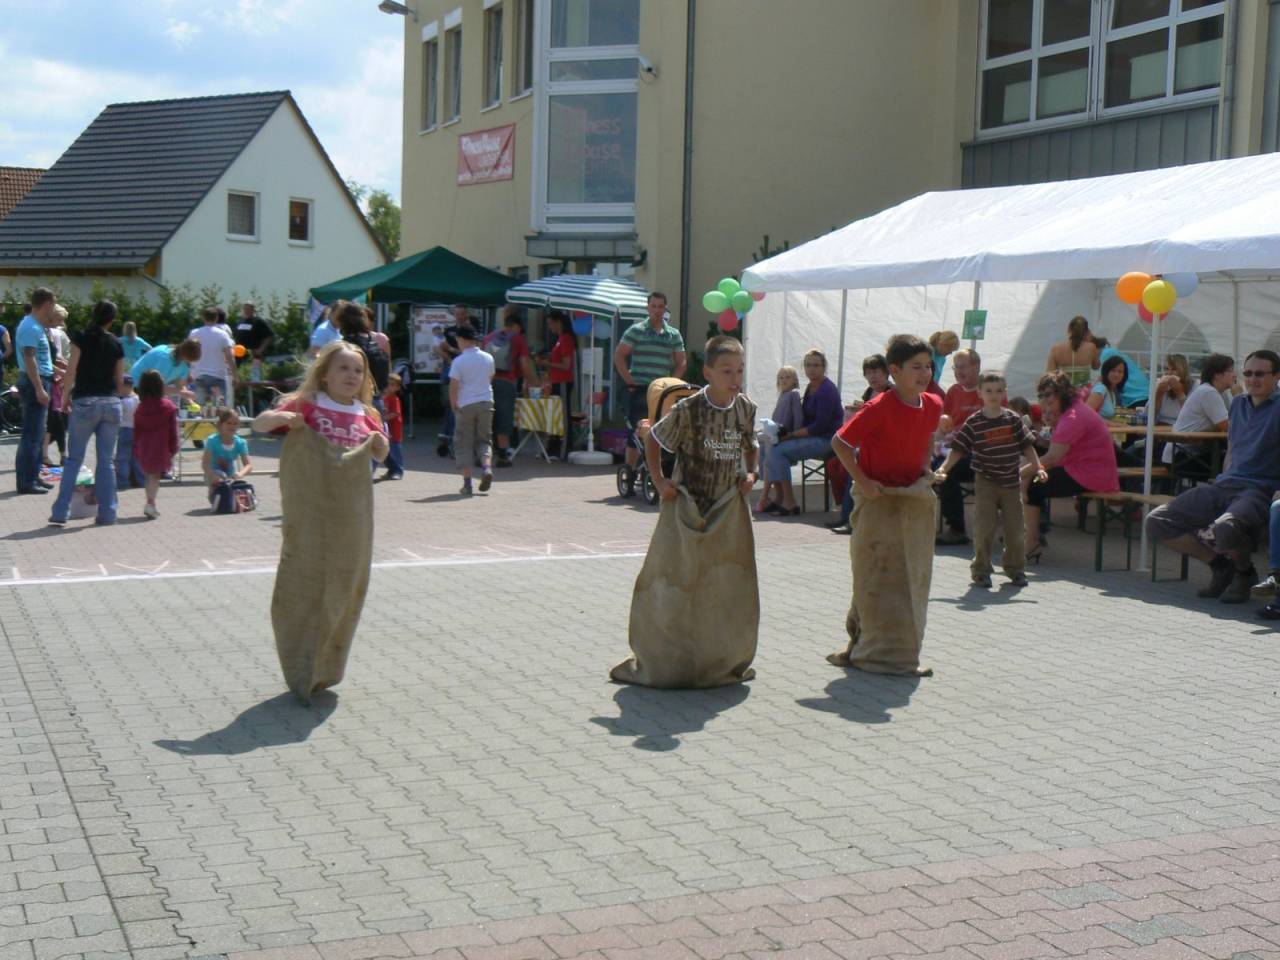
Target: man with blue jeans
1233, 509
35, 380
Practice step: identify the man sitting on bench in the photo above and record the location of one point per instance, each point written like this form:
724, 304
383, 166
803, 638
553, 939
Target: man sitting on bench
1220, 522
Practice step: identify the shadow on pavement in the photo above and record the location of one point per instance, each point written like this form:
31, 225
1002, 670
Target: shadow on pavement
281, 720
864, 697
656, 718
978, 598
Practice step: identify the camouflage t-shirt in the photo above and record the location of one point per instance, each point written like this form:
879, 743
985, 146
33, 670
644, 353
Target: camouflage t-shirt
709, 443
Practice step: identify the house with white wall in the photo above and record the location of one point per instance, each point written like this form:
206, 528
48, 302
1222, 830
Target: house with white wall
234, 191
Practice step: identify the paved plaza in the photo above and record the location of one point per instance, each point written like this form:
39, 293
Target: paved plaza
1091, 772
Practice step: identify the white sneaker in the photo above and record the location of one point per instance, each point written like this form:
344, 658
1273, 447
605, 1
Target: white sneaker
150, 511
1267, 588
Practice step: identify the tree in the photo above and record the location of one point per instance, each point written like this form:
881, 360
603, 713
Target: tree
381, 212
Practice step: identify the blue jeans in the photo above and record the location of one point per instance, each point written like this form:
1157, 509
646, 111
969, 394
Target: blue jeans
129, 471
1273, 551
782, 455
395, 459
97, 417
35, 417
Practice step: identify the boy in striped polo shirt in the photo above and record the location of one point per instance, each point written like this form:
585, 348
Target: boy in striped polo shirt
648, 351
996, 439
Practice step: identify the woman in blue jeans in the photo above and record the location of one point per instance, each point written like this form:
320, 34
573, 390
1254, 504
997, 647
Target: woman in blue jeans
822, 415
94, 377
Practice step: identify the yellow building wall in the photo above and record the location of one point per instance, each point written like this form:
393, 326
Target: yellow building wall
485, 222
1249, 89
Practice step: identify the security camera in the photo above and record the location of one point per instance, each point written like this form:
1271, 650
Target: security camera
647, 69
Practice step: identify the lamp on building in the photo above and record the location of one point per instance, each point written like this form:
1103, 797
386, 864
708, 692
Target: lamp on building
390, 6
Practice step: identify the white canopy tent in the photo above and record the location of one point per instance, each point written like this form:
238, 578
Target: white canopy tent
1033, 256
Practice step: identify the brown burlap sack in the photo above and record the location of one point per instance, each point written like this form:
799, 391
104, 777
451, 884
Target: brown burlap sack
323, 576
695, 611
891, 553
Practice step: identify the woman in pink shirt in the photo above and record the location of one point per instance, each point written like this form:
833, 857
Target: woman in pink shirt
1081, 457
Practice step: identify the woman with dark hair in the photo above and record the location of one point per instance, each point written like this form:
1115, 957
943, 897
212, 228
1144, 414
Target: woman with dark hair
353, 323
1107, 392
173, 363
92, 383
560, 372
1081, 457
1076, 355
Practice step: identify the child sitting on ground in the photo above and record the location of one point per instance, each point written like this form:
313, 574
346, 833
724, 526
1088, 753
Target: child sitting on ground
995, 439
886, 448
695, 611
223, 453
155, 435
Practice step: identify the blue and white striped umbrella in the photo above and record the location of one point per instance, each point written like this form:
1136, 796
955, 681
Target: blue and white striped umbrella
600, 296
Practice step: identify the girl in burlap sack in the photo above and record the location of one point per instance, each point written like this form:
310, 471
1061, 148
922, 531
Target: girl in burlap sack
695, 610
326, 492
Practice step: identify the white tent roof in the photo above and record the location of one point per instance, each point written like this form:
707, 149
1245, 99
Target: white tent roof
1205, 217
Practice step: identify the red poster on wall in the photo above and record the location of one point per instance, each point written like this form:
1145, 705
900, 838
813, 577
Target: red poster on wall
487, 155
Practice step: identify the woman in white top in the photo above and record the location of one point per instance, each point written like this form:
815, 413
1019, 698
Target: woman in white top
1205, 408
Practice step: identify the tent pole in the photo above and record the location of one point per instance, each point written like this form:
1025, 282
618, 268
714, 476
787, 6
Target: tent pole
844, 320
977, 297
1235, 320
1151, 434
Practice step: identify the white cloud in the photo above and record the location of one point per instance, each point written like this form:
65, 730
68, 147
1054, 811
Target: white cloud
182, 32
258, 17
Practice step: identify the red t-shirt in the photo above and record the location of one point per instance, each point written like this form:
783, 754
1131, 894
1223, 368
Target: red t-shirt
519, 350
393, 412
961, 404
894, 439
563, 350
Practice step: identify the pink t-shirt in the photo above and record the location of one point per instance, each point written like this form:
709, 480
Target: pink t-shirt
1091, 459
342, 424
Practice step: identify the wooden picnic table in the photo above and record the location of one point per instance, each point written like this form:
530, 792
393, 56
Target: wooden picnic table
1216, 439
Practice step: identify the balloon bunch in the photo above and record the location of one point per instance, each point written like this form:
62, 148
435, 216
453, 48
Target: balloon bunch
581, 323
730, 303
1155, 295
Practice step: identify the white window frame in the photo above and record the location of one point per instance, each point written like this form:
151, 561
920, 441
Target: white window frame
451, 74
1100, 34
522, 21
255, 237
621, 216
311, 223
430, 116
494, 54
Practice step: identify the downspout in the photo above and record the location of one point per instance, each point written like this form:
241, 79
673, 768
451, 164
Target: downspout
1229, 77
686, 199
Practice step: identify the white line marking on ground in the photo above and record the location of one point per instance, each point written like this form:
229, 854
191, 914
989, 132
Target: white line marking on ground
243, 571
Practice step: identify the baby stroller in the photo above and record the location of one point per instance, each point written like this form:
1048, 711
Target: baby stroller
664, 393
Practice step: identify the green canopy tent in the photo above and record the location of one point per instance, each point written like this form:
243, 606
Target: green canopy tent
437, 275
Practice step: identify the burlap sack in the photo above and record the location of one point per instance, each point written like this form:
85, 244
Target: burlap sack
891, 553
695, 611
323, 576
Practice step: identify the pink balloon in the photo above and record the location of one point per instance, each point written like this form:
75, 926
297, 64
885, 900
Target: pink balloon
757, 295
1144, 314
728, 321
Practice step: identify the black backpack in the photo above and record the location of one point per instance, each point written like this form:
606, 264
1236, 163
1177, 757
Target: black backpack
379, 362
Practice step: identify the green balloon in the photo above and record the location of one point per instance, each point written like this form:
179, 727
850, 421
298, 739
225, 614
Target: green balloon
742, 302
729, 286
715, 301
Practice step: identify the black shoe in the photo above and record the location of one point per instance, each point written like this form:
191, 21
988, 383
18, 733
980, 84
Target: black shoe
1271, 611
1223, 571
45, 484
486, 481
837, 525
30, 491
1241, 586
1019, 580
442, 448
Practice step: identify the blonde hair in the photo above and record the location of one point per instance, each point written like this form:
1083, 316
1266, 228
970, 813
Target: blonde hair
941, 341
1179, 363
790, 373
313, 382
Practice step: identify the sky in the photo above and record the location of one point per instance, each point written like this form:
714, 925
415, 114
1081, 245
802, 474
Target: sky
62, 61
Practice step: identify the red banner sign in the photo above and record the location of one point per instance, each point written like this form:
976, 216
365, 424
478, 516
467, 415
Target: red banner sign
487, 155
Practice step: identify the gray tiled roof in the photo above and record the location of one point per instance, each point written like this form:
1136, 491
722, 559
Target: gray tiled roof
130, 180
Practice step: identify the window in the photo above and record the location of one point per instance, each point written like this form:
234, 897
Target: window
242, 216
452, 74
522, 75
299, 221
493, 55
587, 116
430, 82
1070, 60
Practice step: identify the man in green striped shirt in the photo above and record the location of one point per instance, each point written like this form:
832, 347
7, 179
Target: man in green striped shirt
647, 351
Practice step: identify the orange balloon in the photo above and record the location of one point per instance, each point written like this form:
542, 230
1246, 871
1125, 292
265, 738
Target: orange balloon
240, 351
1129, 287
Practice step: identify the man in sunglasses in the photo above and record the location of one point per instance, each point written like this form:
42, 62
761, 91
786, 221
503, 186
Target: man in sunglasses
1220, 522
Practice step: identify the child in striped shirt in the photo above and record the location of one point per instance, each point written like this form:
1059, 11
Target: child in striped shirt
996, 440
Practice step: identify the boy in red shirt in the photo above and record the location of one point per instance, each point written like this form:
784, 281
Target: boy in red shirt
886, 449
393, 413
